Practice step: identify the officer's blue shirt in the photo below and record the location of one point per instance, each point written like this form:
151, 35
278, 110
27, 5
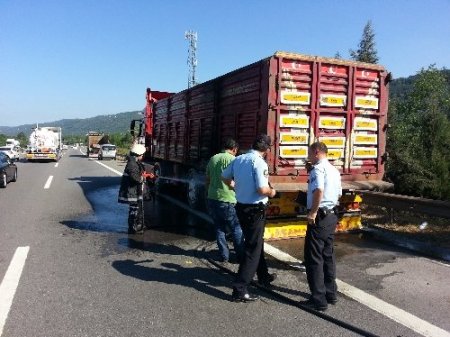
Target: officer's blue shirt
326, 177
249, 172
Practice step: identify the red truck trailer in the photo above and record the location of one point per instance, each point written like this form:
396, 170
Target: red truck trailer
296, 99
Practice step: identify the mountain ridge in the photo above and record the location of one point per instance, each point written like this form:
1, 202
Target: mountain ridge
112, 123
120, 122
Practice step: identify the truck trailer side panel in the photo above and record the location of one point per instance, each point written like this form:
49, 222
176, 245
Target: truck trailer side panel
295, 99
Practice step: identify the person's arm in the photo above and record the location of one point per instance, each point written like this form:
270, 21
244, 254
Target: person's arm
267, 191
261, 176
135, 172
227, 176
317, 197
317, 179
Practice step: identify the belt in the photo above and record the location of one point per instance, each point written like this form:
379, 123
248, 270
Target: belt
259, 205
326, 211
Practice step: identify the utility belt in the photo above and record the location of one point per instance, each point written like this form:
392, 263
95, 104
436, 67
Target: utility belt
252, 207
323, 212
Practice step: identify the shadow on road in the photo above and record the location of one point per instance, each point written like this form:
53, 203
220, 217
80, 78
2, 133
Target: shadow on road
78, 155
202, 279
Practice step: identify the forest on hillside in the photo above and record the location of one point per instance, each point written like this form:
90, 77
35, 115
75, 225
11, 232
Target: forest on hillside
417, 140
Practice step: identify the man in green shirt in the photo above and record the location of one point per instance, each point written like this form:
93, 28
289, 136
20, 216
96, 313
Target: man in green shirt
221, 201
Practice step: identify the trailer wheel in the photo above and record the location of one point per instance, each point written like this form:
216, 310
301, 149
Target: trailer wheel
3, 181
195, 191
160, 184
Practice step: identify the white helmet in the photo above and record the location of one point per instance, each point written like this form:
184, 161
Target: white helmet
138, 149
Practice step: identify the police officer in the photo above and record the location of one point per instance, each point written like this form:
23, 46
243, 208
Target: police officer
250, 174
324, 190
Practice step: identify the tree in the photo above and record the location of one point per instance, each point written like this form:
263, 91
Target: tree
22, 138
418, 139
337, 55
366, 51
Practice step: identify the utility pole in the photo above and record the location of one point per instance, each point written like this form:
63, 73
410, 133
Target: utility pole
192, 57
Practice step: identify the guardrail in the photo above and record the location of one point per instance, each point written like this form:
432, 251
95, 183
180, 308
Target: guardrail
436, 208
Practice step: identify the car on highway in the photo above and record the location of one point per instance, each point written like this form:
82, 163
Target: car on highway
11, 151
8, 170
107, 151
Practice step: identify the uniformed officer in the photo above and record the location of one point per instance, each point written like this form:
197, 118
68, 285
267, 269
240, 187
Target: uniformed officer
324, 190
250, 174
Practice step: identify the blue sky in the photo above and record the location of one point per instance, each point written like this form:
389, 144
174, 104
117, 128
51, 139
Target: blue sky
82, 58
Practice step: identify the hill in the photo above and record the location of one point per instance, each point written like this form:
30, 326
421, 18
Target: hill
400, 87
120, 122
117, 123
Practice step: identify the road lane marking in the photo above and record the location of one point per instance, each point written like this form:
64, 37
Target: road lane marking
56, 165
282, 256
399, 315
392, 312
109, 168
48, 183
10, 282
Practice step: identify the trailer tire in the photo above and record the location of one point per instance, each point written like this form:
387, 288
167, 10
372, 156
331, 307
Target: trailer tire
160, 184
3, 181
196, 197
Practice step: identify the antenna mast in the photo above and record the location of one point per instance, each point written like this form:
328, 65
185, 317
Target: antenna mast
192, 57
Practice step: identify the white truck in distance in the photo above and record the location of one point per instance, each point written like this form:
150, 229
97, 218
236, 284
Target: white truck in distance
45, 144
12, 142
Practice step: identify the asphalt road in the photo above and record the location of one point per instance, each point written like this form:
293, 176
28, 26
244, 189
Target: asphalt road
84, 276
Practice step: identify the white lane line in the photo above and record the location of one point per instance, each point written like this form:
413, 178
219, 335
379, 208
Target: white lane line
109, 168
56, 165
282, 256
10, 282
48, 183
400, 316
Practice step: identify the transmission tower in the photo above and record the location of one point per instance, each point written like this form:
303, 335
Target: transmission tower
192, 57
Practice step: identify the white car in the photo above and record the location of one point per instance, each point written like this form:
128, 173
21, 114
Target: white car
11, 151
107, 151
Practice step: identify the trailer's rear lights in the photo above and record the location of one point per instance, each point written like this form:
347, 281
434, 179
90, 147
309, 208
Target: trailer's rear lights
352, 206
272, 210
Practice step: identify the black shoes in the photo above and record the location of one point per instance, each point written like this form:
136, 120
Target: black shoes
266, 282
332, 301
244, 297
314, 306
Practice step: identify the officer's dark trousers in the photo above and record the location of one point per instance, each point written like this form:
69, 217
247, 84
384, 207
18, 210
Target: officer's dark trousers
135, 217
252, 219
320, 260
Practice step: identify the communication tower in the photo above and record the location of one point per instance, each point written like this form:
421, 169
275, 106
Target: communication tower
192, 57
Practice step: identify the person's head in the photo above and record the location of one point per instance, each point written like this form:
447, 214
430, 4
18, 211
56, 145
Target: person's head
230, 145
317, 151
262, 143
137, 150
